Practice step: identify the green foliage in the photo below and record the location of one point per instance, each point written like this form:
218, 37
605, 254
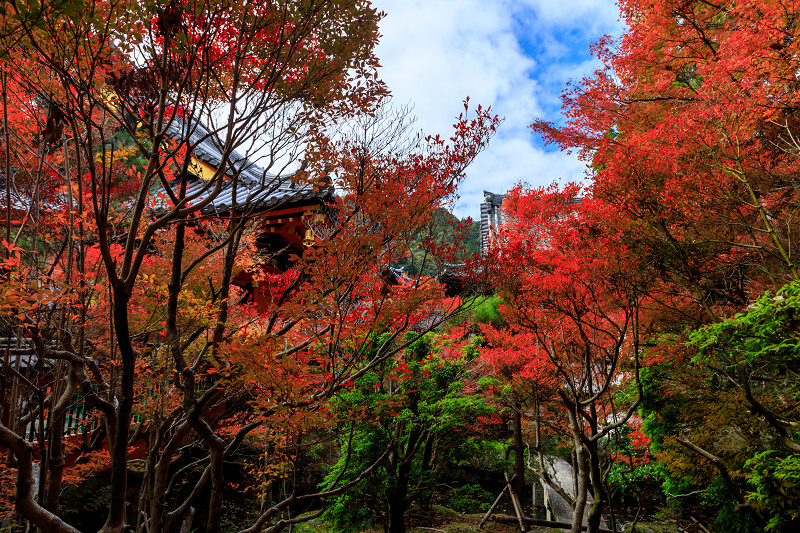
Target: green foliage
662, 415
628, 480
691, 401
486, 382
443, 231
487, 311
85, 509
424, 407
469, 497
420, 347
758, 350
346, 516
489, 455
776, 488
239, 515
354, 510
375, 343
673, 485
766, 333
729, 518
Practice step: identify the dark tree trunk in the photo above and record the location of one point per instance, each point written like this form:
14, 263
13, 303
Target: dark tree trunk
519, 451
120, 424
426, 469
596, 477
25, 503
581, 467
398, 497
397, 513
55, 461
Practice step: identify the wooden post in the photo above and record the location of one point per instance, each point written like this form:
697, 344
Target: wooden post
508, 519
491, 509
517, 507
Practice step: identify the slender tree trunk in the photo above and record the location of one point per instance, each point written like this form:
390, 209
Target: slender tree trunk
62, 399
119, 425
55, 443
519, 450
398, 498
25, 503
216, 450
227, 273
427, 468
216, 447
161, 468
599, 494
582, 475
160, 473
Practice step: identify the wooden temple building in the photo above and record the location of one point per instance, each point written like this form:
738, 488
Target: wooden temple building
292, 212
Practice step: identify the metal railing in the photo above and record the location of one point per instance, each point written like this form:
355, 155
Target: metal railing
81, 416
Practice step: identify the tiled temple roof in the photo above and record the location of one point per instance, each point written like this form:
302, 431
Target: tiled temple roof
255, 189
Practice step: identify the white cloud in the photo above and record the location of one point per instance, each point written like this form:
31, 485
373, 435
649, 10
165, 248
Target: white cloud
514, 56
592, 17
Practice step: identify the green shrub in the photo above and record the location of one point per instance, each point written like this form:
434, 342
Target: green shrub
487, 311
729, 519
776, 484
467, 498
626, 481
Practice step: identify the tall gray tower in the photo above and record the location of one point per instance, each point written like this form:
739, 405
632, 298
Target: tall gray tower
491, 216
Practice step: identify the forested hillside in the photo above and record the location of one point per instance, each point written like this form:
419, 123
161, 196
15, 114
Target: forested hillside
446, 231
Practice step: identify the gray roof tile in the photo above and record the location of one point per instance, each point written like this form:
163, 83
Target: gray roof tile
255, 189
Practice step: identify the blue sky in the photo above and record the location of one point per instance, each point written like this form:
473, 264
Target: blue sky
516, 56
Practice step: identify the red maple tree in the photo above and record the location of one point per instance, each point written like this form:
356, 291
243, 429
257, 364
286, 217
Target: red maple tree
572, 311
136, 308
